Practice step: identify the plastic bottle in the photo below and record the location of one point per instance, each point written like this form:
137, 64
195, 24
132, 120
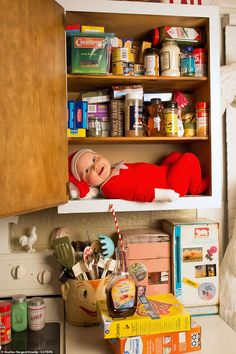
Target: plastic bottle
170, 59
202, 118
151, 62
19, 313
187, 61
121, 290
155, 120
134, 114
171, 127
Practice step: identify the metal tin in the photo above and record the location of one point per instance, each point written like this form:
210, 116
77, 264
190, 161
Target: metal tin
200, 55
36, 313
5, 315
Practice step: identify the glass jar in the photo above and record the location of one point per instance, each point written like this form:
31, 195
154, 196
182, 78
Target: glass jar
151, 62
134, 114
19, 313
170, 115
36, 313
202, 118
155, 119
187, 61
170, 59
5, 315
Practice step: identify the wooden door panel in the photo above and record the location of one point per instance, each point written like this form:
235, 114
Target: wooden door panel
33, 154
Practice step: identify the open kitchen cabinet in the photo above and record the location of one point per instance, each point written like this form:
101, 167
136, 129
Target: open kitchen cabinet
137, 20
34, 149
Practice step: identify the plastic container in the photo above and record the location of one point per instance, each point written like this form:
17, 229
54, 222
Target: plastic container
200, 55
187, 62
170, 115
169, 59
5, 315
19, 313
151, 62
134, 114
202, 118
155, 120
36, 313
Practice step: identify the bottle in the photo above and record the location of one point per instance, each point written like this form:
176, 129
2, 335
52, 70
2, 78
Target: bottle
134, 114
155, 120
171, 127
36, 313
200, 56
5, 315
151, 62
19, 313
202, 118
187, 61
121, 290
169, 59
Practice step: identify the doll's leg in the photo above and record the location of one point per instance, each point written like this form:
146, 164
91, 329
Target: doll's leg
185, 176
171, 158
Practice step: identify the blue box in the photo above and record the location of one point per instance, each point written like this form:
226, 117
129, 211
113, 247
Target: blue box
81, 115
71, 114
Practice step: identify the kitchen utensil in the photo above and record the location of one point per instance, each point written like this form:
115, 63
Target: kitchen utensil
87, 256
64, 251
108, 246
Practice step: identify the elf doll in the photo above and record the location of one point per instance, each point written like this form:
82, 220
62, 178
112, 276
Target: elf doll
177, 175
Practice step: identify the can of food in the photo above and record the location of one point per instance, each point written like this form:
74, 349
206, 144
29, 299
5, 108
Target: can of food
200, 55
123, 55
5, 316
123, 68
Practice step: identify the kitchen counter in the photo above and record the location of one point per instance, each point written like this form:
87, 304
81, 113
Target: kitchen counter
217, 338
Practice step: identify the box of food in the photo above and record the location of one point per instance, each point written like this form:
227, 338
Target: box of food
182, 35
155, 314
148, 253
195, 262
174, 342
90, 53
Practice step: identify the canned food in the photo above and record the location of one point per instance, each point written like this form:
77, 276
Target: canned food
123, 68
122, 54
200, 56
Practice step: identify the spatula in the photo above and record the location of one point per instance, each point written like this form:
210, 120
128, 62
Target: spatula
107, 244
64, 251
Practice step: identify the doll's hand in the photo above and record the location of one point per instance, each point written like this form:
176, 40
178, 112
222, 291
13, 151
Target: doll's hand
165, 195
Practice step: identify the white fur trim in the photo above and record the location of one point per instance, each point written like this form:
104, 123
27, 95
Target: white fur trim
165, 195
75, 160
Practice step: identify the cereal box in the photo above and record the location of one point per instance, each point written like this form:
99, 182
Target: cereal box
174, 342
155, 314
195, 263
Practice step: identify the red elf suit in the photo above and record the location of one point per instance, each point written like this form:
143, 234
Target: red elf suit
138, 181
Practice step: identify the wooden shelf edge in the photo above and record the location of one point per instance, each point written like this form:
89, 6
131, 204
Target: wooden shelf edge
102, 205
135, 140
135, 78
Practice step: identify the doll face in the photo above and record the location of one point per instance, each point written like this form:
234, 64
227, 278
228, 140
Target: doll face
93, 169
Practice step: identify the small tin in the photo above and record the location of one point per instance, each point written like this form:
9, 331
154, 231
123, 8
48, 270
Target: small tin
200, 55
36, 313
5, 315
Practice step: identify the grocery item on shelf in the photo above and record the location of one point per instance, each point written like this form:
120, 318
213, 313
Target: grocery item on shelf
182, 35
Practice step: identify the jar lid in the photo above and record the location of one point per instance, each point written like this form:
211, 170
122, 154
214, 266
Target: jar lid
150, 51
19, 298
5, 306
170, 104
188, 48
155, 101
200, 105
36, 301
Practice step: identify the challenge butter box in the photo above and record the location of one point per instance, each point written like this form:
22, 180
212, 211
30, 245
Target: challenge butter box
149, 259
155, 314
195, 261
174, 343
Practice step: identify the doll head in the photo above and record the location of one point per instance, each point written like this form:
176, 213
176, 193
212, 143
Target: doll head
89, 167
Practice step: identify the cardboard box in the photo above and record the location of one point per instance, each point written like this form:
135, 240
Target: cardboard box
149, 259
195, 261
174, 342
162, 313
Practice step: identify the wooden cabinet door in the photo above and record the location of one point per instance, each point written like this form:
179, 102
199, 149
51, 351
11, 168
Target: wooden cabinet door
33, 138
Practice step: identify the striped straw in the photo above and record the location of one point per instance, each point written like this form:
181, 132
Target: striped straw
120, 237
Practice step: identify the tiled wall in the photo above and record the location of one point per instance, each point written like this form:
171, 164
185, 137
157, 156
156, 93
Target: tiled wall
83, 226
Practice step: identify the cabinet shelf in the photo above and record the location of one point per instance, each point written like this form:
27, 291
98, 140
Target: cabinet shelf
136, 140
150, 83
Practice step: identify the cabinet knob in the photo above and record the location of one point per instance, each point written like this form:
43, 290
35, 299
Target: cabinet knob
44, 277
18, 272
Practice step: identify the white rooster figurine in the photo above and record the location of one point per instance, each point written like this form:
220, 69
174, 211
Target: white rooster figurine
28, 241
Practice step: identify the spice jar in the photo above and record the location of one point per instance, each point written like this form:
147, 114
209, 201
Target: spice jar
202, 118
134, 115
170, 115
19, 313
36, 313
5, 315
151, 62
155, 119
169, 59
